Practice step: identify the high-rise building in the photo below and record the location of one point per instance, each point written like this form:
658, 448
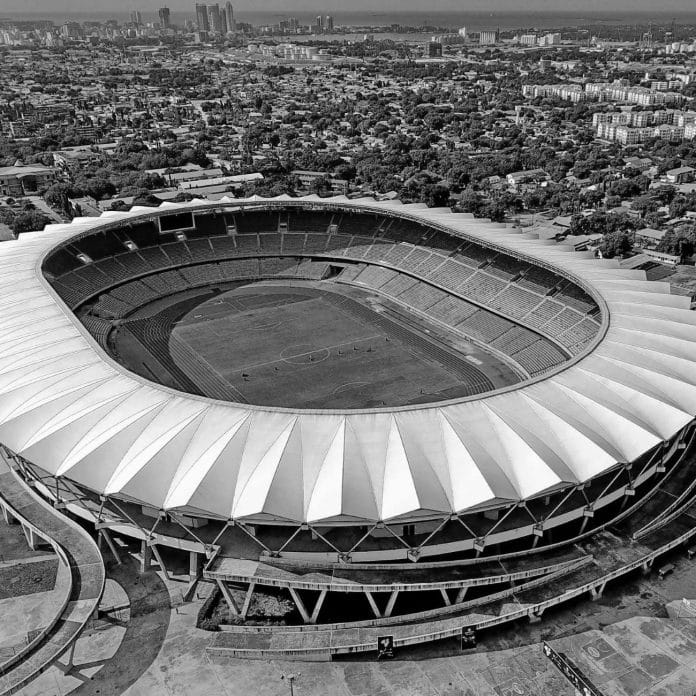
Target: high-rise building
488, 38
433, 49
229, 16
318, 24
214, 21
164, 17
328, 24
135, 17
223, 21
462, 32
202, 18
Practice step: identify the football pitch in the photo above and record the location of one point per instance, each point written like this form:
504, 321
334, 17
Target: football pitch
295, 347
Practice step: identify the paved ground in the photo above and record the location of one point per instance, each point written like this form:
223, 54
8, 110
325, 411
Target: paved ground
22, 615
152, 650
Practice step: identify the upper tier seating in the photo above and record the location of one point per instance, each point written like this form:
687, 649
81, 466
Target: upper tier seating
221, 248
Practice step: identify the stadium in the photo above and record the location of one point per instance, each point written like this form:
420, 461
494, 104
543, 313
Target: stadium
334, 395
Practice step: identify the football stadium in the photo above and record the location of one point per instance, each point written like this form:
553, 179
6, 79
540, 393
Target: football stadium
428, 412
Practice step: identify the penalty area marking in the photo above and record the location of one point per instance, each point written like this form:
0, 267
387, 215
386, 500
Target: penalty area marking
304, 354
344, 387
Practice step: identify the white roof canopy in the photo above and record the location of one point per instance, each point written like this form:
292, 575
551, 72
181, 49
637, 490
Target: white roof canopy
69, 408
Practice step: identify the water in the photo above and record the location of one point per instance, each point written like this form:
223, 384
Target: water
473, 21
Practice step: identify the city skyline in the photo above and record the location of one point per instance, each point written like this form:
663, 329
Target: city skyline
381, 6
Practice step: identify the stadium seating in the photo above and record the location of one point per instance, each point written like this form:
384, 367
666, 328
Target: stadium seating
451, 310
539, 280
110, 307
301, 221
135, 293
247, 243
312, 270
539, 357
156, 258
269, 243
315, 243
99, 246
427, 265
114, 270
451, 274
143, 234
350, 273
474, 255
514, 340
515, 301
99, 328
375, 276
485, 326
506, 267
177, 252
245, 268
398, 284
363, 225
257, 221
405, 231
200, 250
422, 296
224, 248
482, 287
201, 274
285, 266
294, 243
575, 297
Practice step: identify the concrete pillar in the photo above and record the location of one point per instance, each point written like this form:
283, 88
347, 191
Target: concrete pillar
8, 516
231, 604
391, 603
145, 556
535, 616
104, 534
32, 539
299, 604
597, 591
194, 565
373, 605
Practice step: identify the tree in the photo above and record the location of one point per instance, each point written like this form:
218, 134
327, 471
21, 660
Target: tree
29, 221
615, 244
58, 197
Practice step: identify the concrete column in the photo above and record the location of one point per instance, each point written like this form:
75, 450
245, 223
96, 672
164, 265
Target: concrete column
104, 534
535, 617
7, 516
461, 594
373, 605
247, 599
145, 557
159, 559
194, 565
391, 603
32, 539
598, 591
232, 605
299, 604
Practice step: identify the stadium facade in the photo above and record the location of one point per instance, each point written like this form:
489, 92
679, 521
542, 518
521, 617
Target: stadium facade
537, 463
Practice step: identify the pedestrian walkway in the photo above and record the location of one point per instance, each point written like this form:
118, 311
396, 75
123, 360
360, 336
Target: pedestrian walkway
76, 548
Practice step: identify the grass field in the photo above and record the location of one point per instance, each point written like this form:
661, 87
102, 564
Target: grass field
301, 347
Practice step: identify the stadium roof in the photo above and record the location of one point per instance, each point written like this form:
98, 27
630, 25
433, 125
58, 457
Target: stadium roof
66, 406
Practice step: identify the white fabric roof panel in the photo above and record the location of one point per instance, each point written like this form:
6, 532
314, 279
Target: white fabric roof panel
69, 408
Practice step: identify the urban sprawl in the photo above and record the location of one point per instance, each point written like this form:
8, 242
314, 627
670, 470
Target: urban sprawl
585, 132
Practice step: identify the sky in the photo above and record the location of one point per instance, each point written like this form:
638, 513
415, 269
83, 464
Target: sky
68, 6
